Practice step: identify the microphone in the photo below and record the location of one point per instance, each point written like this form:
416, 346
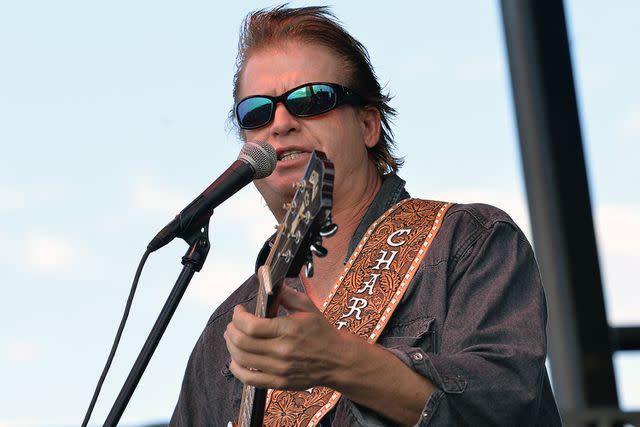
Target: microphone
256, 160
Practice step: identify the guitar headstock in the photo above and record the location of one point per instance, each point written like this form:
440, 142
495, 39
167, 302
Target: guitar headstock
306, 223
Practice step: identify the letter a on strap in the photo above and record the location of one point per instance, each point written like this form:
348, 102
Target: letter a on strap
365, 296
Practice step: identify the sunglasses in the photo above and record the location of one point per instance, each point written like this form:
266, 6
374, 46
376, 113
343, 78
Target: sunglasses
307, 100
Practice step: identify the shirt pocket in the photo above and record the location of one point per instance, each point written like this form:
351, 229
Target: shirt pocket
415, 333
234, 389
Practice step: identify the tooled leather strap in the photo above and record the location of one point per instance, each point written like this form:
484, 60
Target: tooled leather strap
365, 296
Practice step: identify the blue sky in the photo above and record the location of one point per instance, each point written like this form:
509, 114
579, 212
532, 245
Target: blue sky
113, 117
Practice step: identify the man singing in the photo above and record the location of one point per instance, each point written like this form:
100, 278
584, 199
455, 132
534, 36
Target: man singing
465, 342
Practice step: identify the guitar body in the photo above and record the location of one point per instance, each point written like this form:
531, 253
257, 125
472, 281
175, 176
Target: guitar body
299, 237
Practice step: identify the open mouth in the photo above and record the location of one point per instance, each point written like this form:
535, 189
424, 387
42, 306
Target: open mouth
290, 155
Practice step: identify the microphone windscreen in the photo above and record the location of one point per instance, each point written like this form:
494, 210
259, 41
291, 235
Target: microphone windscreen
261, 156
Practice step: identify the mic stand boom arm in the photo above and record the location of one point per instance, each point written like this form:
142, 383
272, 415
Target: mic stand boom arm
192, 261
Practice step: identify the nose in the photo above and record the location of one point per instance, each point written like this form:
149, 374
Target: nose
283, 121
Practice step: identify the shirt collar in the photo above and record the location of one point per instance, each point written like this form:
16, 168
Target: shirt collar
391, 192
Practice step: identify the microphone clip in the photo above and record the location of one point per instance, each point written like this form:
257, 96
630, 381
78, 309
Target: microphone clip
198, 240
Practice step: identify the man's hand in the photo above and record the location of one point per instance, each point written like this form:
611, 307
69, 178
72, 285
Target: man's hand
293, 352
303, 350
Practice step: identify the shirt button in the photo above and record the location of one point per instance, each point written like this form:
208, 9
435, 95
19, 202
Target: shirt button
417, 356
425, 414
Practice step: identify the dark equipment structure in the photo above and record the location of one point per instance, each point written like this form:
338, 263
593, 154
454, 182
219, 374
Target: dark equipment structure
581, 343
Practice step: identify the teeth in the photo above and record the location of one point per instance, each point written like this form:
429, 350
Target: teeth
290, 155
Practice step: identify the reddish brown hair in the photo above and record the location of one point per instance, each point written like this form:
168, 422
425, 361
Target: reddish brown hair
316, 24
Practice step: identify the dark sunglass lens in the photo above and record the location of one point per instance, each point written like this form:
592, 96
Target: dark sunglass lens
311, 100
254, 112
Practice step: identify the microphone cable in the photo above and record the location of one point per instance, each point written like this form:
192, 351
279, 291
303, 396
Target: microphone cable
116, 341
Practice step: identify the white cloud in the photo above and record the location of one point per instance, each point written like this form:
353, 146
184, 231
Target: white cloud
19, 422
248, 215
38, 422
218, 279
149, 198
10, 199
617, 229
618, 239
49, 254
43, 192
594, 77
629, 125
20, 351
7, 248
627, 366
620, 289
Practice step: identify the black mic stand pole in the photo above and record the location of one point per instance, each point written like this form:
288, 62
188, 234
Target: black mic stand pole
193, 260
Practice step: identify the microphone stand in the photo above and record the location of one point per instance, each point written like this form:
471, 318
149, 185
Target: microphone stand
198, 239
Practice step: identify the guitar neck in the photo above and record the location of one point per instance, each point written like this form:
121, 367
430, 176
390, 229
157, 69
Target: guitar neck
254, 399
252, 407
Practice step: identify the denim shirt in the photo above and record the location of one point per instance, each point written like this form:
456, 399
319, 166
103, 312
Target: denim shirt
473, 321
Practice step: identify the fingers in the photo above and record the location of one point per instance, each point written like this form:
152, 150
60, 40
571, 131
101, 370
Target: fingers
251, 334
238, 340
261, 361
295, 301
262, 379
282, 352
253, 326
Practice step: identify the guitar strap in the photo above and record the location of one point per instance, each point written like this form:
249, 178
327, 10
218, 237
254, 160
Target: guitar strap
365, 296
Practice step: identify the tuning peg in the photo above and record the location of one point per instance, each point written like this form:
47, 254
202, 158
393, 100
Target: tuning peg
287, 256
329, 229
290, 205
318, 250
308, 267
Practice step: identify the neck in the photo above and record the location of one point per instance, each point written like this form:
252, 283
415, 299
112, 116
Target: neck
348, 212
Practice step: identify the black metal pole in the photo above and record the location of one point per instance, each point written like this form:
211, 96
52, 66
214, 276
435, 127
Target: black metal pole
193, 261
149, 347
559, 205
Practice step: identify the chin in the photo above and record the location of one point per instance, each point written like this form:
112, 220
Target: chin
286, 176
277, 189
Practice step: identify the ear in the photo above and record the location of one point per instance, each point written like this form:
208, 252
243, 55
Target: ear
371, 122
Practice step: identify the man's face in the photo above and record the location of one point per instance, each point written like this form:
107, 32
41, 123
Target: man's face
340, 133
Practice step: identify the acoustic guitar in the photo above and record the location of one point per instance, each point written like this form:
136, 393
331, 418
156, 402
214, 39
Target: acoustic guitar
299, 238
